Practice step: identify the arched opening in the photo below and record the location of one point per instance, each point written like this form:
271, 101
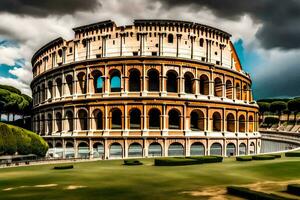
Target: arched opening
176, 149
174, 119
238, 91
98, 150
170, 38
50, 89
218, 90
58, 87
197, 149
245, 90
230, 149
197, 120
216, 149
172, 84
251, 123
135, 119
189, 87
154, 119
135, 150
201, 42
58, 122
134, 80
70, 118
98, 117
153, 80
115, 81
116, 119
58, 150
70, 151
43, 125
98, 81
50, 127
115, 150
242, 149
252, 148
229, 89
38, 95
230, 123
204, 85
83, 150
38, 126
83, 119
82, 82
69, 80
43, 92
216, 122
242, 123
155, 150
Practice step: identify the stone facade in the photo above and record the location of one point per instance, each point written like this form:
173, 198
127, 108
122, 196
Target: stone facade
155, 88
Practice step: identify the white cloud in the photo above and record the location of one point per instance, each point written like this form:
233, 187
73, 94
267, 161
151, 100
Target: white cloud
23, 87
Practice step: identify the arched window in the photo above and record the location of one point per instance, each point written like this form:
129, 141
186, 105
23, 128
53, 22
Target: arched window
197, 120
172, 84
69, 116
98, 81
115, 81
69, 80
189, 83
83, 119
50, 127
216, 122
218, 90
230, 149
83, 150
170, 38
204, 85
135, 150
115, 150
216, 149
134, 80
238, 91
252, 148
98, 116
228, 89
245, 90
82, 82
242, 123
230, 123
153, 80
155, 150
43, 125
116, 119
50, 89
58, 122
197, 149
174, 119
154, 119
135, 119
43, 93
58, 87
58, 151
251, 124
176, 149
201, 42
242, 149
98, 150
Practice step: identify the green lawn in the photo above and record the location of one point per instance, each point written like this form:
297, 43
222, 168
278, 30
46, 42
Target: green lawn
112, 180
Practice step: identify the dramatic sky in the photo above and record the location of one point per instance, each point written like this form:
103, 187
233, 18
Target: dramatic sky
266, 34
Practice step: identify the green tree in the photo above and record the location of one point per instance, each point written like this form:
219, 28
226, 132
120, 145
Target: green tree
294, 106
263, 107
277, 107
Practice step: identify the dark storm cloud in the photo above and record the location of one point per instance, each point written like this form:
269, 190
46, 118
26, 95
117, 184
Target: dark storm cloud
280, 19
46, 7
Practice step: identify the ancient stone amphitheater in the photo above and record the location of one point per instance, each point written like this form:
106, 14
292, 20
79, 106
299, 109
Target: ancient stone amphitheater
154, 88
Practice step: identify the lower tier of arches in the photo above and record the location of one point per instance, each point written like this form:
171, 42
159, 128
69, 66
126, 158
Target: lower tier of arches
117, 148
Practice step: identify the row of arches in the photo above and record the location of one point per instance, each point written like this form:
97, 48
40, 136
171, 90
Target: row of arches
59, 88
154, 118
154, 149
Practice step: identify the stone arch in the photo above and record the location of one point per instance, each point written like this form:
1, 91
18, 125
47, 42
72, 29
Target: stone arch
98, 81
189, 83
230, 122
176, 149
135, 118
115, 150
50, 89
50, 126
82, 119
230, 149
134, 80
242, 149
242, 124
83, 150
70, 151
116, 118
155, 150
252, 149
98, 119
58, 120
218, 87
229, 93
197, 149
154, 118
201, 42
244, 92
115, 80
204, 85
216, 122
170, 38
172, 81
98, 150
153, 80
174, 119
238, 91
58, 82
251, 123
197, 120
81, 77
43, 125
135, 150
70, 119
216, 149
69, 81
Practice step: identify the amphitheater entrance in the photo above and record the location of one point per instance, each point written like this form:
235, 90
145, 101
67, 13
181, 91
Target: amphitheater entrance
242, 149
98, 150
197, 120
83, 150
176, 149
115, 151
216, 149
58, 150
155, 150
230, 149
70, 151
135, 150
252, 148
197, 149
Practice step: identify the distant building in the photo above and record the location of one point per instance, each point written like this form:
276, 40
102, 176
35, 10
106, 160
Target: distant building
154, 88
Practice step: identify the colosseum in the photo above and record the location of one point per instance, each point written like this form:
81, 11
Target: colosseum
154, 88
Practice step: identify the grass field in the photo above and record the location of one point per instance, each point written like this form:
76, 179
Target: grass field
112, 180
